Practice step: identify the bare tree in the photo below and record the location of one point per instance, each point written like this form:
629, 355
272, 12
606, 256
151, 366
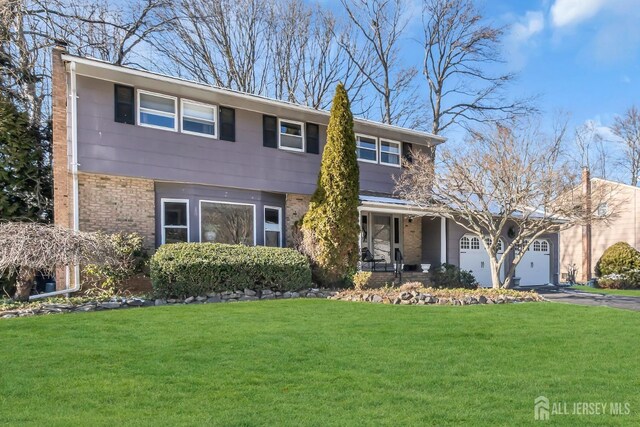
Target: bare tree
459, 51
504, 178
380, 25
627, 128
589, 149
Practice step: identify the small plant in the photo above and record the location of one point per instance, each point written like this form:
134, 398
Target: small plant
572, 271
450, 276
361, 280
107, 278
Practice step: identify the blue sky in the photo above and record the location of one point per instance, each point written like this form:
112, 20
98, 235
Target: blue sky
581, 58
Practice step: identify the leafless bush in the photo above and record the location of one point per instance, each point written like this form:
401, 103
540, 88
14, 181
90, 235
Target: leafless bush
28, 248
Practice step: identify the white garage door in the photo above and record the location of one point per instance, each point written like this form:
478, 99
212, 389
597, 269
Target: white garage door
474, 258
535, 266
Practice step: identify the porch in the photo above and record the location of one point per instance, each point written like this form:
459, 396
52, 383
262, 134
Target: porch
398, 242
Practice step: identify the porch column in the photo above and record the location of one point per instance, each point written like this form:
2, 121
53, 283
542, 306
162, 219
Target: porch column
443, 240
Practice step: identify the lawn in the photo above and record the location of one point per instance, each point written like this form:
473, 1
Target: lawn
621, 292
318, 362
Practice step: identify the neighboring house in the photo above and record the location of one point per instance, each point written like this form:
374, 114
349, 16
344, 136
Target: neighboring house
175, 160
583, 246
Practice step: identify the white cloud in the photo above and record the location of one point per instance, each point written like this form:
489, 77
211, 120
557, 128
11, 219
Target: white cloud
570, 12
519, 41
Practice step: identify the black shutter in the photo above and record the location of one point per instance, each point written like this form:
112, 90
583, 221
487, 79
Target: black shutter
124, 105
270, 131
313, 138
406, 152
227, 124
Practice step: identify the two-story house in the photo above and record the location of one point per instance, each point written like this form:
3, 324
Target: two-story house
175, 160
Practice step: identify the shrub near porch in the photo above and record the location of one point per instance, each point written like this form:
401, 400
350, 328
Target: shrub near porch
192, 269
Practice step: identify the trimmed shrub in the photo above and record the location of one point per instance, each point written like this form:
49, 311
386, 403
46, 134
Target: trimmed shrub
449, 276
619, 258
191, 269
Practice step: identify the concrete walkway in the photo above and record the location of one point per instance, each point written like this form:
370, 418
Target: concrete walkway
570, 296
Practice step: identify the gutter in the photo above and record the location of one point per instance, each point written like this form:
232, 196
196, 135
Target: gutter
74, 171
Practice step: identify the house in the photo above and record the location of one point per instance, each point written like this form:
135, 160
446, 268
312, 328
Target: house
175, 160
583, 245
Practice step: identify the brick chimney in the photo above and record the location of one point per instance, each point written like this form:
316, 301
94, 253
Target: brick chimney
586, 227
60, 147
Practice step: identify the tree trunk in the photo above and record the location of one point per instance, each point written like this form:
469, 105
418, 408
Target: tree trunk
24, 283
495, 273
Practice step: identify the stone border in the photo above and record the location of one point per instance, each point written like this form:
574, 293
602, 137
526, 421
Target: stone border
130, 302
431, 296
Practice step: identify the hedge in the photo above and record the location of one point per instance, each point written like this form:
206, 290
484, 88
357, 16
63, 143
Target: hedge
192, 269
619, 258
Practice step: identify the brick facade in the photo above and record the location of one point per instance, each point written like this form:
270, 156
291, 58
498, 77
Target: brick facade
295, 207
112, 204
412, 239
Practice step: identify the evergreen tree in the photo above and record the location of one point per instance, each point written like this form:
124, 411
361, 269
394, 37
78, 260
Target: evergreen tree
330, 227
25, 172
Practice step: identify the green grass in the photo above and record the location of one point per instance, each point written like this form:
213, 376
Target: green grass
621, 292
318, 362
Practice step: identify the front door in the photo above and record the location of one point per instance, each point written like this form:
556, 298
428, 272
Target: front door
381, 237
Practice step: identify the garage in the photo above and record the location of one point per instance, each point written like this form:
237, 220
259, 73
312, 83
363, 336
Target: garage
535, 266
474, 258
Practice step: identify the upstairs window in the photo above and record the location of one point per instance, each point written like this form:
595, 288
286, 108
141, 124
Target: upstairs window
124, 105
603, 210
175, 220
367, 148
157, 111
389, 153
291, 136
199, 119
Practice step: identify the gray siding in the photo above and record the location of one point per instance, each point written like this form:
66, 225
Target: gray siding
107, 147
195, 193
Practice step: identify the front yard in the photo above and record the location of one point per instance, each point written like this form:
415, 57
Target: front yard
318, 362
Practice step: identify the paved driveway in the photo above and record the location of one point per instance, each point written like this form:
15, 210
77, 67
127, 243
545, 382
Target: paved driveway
586, 298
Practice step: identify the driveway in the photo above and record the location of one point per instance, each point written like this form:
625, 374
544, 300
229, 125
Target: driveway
555, 294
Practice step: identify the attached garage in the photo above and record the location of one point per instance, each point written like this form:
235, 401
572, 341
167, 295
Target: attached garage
474, 258
535, 266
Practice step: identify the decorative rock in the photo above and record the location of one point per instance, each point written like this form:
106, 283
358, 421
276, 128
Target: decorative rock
134, 302
249, 292
315, 290
397, 301
278, 294
376, 298
189, 300
110, 305
311, 295
295, 295
268, 296
160, 301
172, 301
429, 299
248, 298
267, 292
201, 298
405, 296
214, 298
286, 295
482, 299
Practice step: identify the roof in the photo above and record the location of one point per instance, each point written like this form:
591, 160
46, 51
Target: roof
97, 68
616, 183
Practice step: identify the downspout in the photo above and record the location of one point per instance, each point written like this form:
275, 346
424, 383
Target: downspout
73, 98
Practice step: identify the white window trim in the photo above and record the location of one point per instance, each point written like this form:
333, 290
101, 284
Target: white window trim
163, 226
159, 113
399, 144
302, 131
202, 104
225, 203
264, 225
358, 135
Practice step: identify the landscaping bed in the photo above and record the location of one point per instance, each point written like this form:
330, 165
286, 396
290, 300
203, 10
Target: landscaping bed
417, 294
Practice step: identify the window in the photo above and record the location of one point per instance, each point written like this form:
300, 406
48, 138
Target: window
272, 226
602, 209
536, 245
224, 222
464, 243
198, 119
291, 136
544, 246
367, 148
389, 153
475, 243
157, 111
124, 105
175, 220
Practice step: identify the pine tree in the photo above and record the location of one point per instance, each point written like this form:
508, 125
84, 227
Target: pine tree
25, 173
331, 224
